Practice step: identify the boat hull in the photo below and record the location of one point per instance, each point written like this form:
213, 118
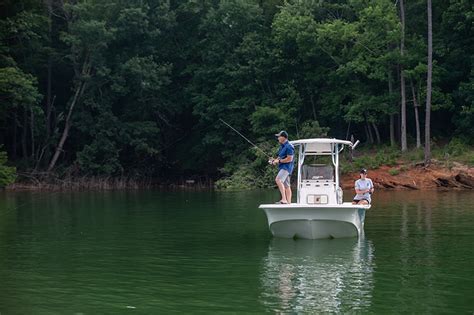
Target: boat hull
315, 222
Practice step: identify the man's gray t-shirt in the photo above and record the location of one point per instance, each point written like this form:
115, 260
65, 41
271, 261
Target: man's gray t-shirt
363, 184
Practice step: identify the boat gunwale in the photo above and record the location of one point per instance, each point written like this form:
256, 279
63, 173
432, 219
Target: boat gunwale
315, 206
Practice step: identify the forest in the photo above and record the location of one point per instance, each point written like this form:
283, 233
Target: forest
137, 88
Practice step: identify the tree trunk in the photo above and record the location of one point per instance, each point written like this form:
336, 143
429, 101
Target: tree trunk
24, 134
393, 142
368, 131
403, 109
367, 137
32, 132
392, 116
67, 126
371, 135
417, 118
49, 76
15, 132
48, 101
311, 98
377, 134
351, 154
428, 86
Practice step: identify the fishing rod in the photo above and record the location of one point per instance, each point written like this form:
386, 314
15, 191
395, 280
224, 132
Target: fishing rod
246, 139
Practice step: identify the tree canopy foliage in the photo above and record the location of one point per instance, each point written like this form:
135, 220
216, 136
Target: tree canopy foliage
137, 87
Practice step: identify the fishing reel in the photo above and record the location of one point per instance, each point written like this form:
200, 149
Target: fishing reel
271, 161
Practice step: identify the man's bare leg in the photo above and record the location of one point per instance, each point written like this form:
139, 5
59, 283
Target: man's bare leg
281, 187
288, 194
360, 202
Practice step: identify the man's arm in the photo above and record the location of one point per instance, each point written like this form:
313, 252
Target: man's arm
289, 151
288, 159
360, 191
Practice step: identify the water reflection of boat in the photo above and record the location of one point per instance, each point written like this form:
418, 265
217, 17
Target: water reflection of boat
311, 276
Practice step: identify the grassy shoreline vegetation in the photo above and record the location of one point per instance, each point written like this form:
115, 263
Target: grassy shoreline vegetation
105, 94
29, 182
251, 174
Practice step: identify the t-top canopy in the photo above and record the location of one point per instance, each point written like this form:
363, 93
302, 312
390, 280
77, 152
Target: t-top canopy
320, 140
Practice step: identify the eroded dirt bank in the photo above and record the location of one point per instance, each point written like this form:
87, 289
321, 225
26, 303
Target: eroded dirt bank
416, 177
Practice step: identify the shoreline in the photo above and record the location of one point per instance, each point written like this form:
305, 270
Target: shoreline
399, 177
84, 183
417, 177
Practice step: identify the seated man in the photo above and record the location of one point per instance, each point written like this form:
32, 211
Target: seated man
364, 188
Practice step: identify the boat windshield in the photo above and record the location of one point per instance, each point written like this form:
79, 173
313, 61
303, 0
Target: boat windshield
317, 172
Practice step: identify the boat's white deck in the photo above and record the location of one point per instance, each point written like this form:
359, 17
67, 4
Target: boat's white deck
345, 205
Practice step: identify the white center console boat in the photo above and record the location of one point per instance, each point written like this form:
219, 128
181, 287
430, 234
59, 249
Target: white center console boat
320, 211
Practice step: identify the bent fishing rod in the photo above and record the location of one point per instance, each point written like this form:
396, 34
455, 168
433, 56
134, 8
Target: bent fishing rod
246, 139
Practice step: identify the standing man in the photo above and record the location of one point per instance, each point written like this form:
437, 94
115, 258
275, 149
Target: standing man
364, 189
285, 166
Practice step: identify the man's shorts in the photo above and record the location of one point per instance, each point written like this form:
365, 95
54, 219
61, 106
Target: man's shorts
284, 177
359, 200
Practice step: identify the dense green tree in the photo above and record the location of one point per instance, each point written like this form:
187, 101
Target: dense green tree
137, 88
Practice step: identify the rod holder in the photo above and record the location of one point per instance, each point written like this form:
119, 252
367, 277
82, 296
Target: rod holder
355, 144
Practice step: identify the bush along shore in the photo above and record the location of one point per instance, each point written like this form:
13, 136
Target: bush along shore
395, 176
53, 182
452, 167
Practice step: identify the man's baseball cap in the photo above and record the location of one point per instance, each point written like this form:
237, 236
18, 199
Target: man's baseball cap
363, 171
282, 133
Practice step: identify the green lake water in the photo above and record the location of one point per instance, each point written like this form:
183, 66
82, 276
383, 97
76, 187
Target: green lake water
163, 252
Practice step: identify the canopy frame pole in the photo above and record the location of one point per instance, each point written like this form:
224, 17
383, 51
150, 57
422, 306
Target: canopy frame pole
300, 169
335, 162
337, 171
